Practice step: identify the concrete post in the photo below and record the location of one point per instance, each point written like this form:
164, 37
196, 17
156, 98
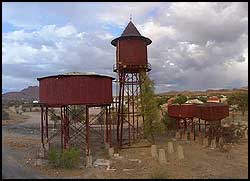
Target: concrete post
221, 142
106, 145
180, 153
41, 152
162, 156
213, 144
154, 151
177, 135
191, 136
205, 142
246, 134
89, 161
111, 151
184, 136
170, 147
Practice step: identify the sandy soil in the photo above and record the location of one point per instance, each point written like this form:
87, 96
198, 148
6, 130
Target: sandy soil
21, 142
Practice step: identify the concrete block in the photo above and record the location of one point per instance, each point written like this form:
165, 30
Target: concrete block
177, 135
46, 145
213, 144
154, 151
106, 145
162, 156
41, 153
111, 151
205, 142
246, 134
170, 147
180, 152
191, 136
221, 142
89, 161
185, 136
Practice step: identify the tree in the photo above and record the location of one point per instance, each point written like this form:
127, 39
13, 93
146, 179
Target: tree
180, 99
151, 124
202, 98
240, 99
161, 100
169, 122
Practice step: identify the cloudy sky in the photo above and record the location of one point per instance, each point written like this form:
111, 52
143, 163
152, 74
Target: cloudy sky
196, 46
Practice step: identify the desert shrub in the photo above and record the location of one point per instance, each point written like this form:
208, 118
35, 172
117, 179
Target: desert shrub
67, 159
54, 158
5, 115
169, 122
70, 158
180, 99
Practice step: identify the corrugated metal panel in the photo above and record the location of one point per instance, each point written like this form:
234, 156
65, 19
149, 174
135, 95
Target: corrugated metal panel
132, 52
182, 111
212, 111
207, 111
66, 90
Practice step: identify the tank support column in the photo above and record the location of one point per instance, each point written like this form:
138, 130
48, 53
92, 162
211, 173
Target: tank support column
88, 152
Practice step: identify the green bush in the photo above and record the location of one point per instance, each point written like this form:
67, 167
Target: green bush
180, 99
70, 158
169, 122
54, 158
5, 115
67, 159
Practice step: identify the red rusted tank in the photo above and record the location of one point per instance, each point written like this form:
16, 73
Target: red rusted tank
79, 89
131, 50
212, 111
182, 110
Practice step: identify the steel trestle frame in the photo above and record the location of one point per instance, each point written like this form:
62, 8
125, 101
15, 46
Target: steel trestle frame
77, 130
129, 107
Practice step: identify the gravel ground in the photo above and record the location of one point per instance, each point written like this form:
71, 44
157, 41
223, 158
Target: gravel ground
20, 144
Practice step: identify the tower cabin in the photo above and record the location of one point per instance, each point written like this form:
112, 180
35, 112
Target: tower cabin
131, 51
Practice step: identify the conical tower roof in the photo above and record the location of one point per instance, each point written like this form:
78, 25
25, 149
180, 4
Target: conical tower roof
131, 31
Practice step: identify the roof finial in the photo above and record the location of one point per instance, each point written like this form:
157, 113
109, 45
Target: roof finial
130, 18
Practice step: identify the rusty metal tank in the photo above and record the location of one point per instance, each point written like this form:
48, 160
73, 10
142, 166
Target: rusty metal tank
75, 89
182, 110
212, 111
131, 50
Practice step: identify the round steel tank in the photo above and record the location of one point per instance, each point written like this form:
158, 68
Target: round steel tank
131, 50
212, 111
82, 89
182, 110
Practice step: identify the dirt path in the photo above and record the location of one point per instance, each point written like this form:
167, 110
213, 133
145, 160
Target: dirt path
14, 150
20, 143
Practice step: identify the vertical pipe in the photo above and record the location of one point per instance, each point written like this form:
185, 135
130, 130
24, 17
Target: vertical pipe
87, 131
46, 119
42, 125
110, 128
62, 128
137, 101
205, 128
133, 107
106, 125
128, 116
122, 106
199, 125
119, 109
68, 121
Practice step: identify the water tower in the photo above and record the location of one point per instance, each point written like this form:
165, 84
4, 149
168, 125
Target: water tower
131, 64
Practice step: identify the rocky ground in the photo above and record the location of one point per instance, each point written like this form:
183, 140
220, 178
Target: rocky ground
21, 142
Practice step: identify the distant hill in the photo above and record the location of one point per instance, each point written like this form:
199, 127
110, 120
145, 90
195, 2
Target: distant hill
208, 92
28, 94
